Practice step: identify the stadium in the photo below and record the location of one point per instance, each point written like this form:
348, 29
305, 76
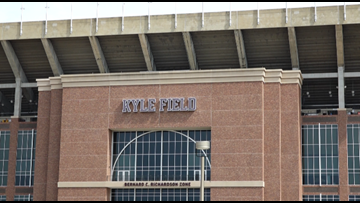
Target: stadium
111, 109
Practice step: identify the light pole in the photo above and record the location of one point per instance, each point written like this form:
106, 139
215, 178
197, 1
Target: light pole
202, 145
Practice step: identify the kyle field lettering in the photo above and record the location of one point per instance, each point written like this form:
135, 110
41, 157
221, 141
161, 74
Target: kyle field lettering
172, 104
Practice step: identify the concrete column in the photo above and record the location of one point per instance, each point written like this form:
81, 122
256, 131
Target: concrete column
42, 146
18, 98
10, 189
293, 48
343, 163
341, 87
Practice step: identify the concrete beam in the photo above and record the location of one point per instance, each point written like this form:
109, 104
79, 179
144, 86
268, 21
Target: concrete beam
16, 68
293, 49
339, 45
352, 75
240, 46
13, 85
319, 75
51, 55
341, 89
5, 103
99, 55
271, 18
145, 46
18, 98
190, 50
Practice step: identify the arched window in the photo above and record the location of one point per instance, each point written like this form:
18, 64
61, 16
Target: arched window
159, 156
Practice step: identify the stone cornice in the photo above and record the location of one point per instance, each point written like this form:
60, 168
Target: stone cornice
172, 77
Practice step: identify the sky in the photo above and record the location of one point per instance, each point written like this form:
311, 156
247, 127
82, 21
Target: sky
35, 11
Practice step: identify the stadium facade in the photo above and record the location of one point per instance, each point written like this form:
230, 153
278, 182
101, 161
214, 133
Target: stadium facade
111, 109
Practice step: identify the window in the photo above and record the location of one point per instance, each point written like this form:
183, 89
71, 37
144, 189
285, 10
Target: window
158, 194
2, 198
320, 155
158, 156
198, 175
123, 175
321, 197
23, 198
353, 153
354, 197
4, 156
25, 158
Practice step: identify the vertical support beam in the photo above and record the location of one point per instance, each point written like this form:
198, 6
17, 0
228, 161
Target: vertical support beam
339, 45
293, 49
190, 50
18, 98
51, 55
341, 87
99, 55
145, 46
340, 64
16, 67
240, 46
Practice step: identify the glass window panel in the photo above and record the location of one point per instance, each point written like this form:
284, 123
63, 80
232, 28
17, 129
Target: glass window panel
350, 135
350, 150
356, 135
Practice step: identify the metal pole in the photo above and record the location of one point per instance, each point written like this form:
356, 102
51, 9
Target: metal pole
315, 11
344, 10
258, 15
230, 15
22, 8
286, 18
46, 7
202, 179
122, 24
202, 16
71, 28
149, 15
97, 17
175, 17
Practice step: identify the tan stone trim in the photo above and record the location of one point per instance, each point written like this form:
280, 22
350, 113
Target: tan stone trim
175, 77
271, 18
194, 184
43, 84
55, 83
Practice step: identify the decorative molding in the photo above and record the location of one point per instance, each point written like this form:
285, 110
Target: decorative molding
172, 77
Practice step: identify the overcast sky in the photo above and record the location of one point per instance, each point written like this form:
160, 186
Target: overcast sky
35, 11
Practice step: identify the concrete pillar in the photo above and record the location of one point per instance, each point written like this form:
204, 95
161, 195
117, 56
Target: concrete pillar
18, 98
10, 189
341, 87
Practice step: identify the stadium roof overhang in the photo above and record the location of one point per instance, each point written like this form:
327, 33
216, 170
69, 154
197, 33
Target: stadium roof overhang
318, 49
